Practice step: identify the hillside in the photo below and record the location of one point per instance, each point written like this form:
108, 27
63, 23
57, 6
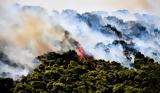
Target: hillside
110, 36
66, 74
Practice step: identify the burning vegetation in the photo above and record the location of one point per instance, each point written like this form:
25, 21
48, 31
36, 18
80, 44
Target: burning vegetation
65, 73
80, 53
75, 71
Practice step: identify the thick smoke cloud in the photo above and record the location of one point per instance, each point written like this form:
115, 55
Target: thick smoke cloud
29, 31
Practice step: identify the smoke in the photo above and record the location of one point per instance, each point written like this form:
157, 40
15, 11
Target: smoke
29, 31
91, 5
154, 6
116, 36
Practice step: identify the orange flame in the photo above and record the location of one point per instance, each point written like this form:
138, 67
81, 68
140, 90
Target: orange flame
80, 52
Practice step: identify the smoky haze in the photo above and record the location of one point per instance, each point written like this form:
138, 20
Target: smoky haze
151, 6
29, 31
26, 33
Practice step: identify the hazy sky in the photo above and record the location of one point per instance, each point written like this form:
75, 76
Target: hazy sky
91, 5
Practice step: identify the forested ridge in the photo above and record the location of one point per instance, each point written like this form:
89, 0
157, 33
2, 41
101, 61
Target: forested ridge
65, 73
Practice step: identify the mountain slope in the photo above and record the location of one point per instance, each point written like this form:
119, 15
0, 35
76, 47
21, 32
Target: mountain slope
64, 73
33, 31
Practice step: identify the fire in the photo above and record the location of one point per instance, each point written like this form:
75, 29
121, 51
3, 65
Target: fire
80, 52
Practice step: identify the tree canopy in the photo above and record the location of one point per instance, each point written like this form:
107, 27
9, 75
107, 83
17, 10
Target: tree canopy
65, 73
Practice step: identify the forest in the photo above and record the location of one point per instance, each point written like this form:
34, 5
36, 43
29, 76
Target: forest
65, 73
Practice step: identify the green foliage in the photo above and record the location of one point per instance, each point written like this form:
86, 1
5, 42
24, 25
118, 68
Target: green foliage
66, 74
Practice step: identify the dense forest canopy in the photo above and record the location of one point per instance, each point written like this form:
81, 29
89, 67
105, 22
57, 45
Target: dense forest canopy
65, 73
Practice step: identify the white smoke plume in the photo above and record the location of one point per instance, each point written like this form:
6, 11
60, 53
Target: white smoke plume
29, 31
